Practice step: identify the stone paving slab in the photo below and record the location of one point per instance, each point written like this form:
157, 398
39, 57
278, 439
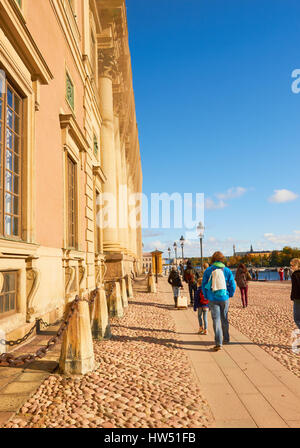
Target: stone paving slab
243, 384
18, 384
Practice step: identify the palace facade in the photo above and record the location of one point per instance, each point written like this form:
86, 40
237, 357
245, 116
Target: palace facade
68, 137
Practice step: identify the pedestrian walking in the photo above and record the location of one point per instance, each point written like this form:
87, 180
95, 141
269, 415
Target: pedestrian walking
175, 281
190, 278
218, 286
295, 293
286, 273
281, 272
205, 266
256, 275
242, 278
201, 304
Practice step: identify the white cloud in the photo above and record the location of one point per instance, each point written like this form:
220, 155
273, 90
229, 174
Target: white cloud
231, 193
292, 239
212, 205
281, 196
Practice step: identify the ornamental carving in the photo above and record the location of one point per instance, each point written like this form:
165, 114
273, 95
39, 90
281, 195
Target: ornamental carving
108, 66
33, 277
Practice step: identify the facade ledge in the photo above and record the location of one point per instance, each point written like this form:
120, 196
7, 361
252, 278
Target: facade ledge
98, 171
68, 122
14, 26
14, 248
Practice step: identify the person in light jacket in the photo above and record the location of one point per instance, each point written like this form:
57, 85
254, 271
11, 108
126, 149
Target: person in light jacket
219, 301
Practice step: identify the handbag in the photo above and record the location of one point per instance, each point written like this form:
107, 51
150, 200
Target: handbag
182, 301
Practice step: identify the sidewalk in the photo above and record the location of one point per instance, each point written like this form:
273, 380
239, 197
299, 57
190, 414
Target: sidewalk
244, 386
18, 384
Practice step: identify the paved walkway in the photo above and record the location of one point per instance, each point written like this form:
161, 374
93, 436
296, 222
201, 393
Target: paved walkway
245, 387
17, 384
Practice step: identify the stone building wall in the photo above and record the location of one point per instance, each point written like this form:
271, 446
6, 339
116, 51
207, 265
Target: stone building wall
68, 64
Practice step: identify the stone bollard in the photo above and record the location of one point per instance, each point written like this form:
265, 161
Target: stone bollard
151, 283
77, 352
129, 287
124, 293
115, 302
99, 317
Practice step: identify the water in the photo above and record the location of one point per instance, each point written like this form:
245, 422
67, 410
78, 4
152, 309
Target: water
266, 275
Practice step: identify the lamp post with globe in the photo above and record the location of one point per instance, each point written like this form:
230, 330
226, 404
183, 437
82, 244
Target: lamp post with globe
200, 230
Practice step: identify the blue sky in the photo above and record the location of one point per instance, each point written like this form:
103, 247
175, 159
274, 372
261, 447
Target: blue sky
216, 114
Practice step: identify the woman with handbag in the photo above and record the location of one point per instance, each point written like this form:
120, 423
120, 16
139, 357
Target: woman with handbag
242, 277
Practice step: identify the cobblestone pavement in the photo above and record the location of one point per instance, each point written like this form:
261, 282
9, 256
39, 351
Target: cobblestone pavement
268, 320
143, 379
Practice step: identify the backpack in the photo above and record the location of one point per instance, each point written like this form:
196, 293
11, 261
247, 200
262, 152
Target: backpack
217, 283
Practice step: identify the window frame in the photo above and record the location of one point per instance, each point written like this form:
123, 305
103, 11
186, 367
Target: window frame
5, 314
72, 236
15, 156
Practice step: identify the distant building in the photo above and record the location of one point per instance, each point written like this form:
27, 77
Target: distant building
251, 252
147, 261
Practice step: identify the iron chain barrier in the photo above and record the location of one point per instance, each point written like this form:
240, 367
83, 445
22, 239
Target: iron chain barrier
9, 360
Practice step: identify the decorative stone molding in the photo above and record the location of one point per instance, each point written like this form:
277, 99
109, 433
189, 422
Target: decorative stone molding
82, 272
70, 272
33, 276
108, 66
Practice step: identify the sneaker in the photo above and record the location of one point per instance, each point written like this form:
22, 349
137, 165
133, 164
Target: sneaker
200, 330
217, 348
204, 332
226, 342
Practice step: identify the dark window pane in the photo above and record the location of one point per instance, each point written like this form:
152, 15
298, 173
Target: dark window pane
16, 185
16, 144
9, 97
17, 125
17, 105
6, 303
1, 107
12, 305
1, 304
16, 226
16, 164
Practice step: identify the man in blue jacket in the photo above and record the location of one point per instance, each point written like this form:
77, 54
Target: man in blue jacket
219, 299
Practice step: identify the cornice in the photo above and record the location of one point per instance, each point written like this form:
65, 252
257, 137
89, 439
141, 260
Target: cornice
68, 122
97, 171
14, 26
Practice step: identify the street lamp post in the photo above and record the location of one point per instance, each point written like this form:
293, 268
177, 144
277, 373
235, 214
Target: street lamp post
169, 250
175, 250
182, 240
200, 230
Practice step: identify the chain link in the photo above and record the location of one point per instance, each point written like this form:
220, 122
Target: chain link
20, 340
9, 360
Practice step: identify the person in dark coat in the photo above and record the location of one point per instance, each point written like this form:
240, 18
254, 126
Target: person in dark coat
295, 292
242, 277
190, 277
175, 281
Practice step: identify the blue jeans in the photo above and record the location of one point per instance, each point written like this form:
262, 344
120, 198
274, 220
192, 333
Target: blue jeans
176, 293
202, 311
297, 312
192, 290
219, 314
